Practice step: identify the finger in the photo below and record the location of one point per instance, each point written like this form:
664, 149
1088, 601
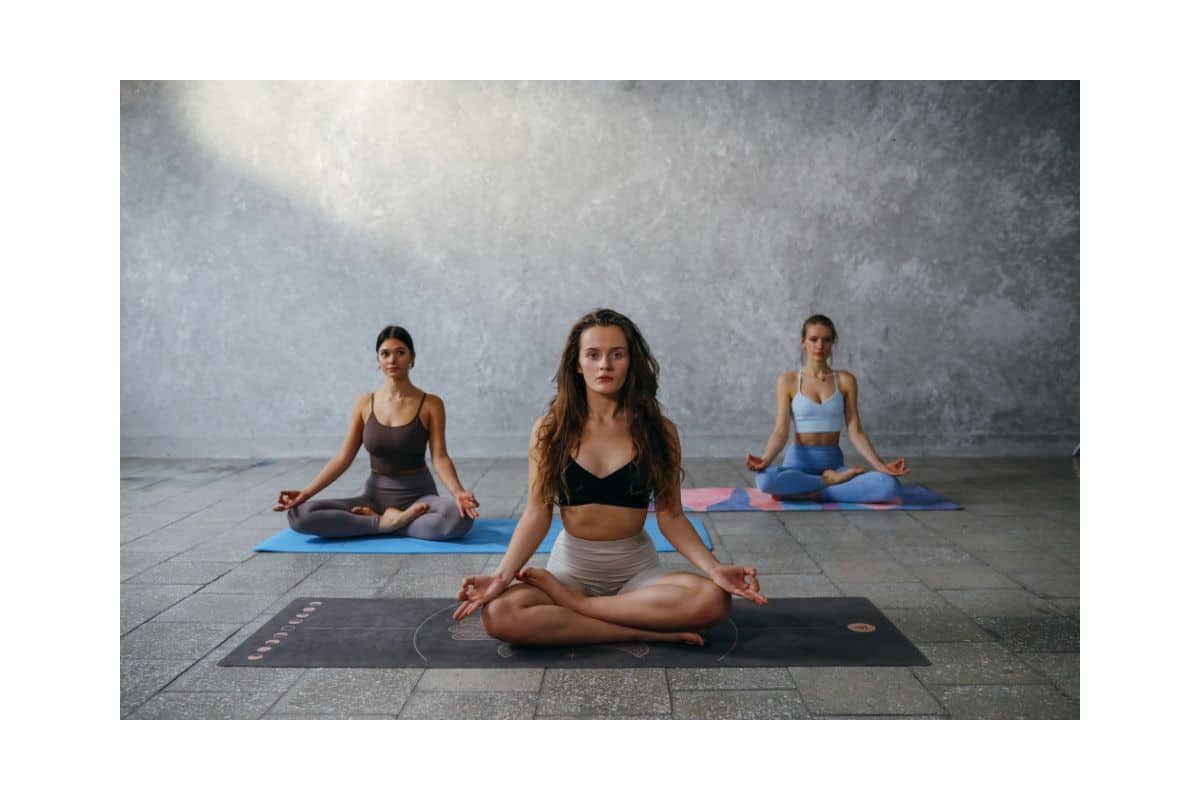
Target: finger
466, 609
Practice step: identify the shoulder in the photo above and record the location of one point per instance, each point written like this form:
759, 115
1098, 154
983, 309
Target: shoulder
363, 402
786, 382
434, 402
846, 379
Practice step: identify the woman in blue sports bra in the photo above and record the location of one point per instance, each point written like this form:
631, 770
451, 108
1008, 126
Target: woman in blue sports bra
817, 399
400, 496
599, 453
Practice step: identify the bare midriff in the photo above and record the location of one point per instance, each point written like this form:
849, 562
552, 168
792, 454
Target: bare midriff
822, 439
602, 522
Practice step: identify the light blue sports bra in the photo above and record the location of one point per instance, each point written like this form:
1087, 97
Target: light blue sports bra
811, 417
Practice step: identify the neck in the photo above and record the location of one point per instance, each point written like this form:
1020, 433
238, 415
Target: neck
396, 388
817, 368
602, 407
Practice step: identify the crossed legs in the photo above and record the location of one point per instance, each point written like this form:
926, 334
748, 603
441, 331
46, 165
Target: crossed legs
545, 611
820, 473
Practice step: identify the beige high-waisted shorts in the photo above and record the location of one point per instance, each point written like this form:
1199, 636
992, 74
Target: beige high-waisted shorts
606, 567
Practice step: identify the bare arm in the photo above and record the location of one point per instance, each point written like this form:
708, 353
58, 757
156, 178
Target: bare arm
678, 530
854, 429
784, 389
440, 458
534, 522
532, 527
333, 468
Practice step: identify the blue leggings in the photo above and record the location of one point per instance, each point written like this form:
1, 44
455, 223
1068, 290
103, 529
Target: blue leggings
801, 474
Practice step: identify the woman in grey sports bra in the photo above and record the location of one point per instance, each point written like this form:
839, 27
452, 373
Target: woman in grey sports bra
395, 424
599, 453
817, 400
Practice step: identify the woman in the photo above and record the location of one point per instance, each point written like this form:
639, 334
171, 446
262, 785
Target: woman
395, 423
818, 399
599, 453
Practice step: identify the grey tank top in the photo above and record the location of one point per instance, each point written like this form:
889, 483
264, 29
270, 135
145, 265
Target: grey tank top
395, 448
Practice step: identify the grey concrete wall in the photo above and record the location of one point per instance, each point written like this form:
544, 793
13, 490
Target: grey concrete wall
269, 230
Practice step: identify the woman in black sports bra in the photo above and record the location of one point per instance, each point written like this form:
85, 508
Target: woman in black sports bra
400, 496
599, 453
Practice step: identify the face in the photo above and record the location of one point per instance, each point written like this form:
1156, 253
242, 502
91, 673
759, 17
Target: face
395, 359
818, 342
603, 359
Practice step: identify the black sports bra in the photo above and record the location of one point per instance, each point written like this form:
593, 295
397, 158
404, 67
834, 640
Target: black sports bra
625, 487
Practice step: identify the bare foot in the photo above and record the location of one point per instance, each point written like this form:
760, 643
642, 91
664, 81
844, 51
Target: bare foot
364, 511
394, 518
683, 637
831, 477
544, 579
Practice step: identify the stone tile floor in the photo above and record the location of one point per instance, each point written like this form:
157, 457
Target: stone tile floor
989, 594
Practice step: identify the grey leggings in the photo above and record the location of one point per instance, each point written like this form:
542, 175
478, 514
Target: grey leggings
332, 518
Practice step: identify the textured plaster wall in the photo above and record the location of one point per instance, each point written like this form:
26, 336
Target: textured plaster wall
269, 230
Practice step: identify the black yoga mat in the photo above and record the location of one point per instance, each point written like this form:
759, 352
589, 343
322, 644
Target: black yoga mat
419, 632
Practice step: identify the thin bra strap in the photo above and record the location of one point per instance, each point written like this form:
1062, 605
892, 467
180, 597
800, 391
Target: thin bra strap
423, 396
372, 406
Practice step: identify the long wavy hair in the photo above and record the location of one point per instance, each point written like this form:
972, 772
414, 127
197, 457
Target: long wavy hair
656, 452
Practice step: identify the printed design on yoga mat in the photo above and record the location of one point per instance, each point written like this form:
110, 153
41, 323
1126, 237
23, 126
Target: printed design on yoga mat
420, 632
279, 637
706, 499
469, 630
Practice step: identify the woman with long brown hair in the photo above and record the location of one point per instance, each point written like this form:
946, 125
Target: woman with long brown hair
599, 453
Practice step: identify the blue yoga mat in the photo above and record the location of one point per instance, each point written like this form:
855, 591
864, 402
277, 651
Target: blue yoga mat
485, 536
